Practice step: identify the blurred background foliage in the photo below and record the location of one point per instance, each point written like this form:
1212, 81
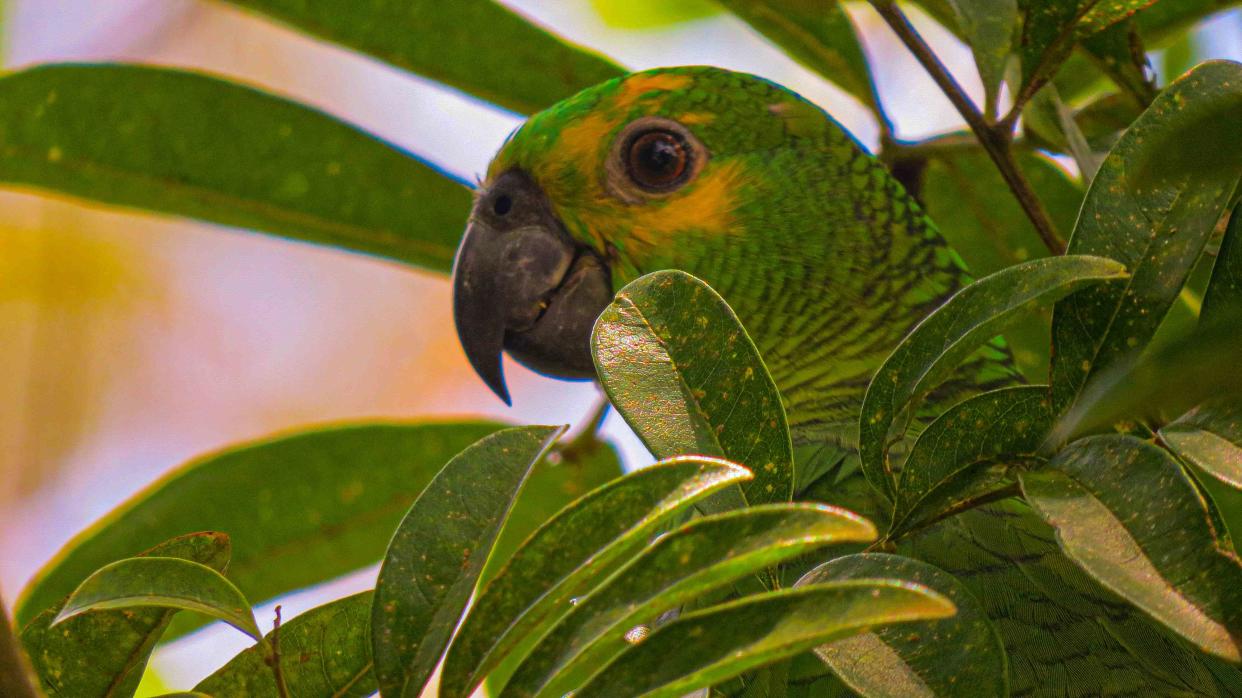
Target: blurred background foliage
130, 343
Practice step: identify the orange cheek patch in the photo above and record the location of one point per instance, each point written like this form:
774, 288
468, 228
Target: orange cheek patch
707, 208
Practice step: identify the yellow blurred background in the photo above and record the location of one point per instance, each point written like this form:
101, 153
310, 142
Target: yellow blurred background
130, 343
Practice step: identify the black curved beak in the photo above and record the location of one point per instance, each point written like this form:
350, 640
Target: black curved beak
521, 283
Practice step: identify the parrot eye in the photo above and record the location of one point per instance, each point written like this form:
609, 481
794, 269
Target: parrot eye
653, 157
657, 160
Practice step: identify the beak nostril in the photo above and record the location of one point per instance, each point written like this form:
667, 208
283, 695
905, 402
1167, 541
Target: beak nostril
502, 205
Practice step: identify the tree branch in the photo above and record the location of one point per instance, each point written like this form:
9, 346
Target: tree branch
996, 141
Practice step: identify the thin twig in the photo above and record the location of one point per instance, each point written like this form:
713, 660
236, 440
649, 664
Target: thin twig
273, 659
16, 678
995, 141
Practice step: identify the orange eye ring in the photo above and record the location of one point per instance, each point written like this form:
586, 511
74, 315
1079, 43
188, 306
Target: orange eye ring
657, 160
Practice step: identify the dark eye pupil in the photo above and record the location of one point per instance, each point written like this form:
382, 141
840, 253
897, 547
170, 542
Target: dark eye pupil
657, 159
502, 205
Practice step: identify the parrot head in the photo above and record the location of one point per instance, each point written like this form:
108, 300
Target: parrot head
624, 178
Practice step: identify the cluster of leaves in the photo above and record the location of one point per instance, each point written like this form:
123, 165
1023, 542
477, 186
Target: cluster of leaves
607, 585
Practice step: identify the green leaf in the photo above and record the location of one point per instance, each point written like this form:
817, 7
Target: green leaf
1210, 436
962, 191
477, 46
568, 472
191, 145
989, 27
438, 551
1126, 513
1161, 384
957, 448
163, 582
1152, 206
324, 653
1051, 27
586, 539
817, 34
300, 508
679, 368
103, 654
958, 656
1223, 297
933, 349
708, 646
703, 555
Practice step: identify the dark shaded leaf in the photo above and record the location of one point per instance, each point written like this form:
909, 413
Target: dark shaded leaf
953, 450
817, 34
719, 642
1119, 52
958, 656
703, 555
191, 145
1153, 209
478, 46
162, 582
679, 368
1050, 28
584, 541
103, 654
300, 508
438, 551
988, 27
1159, 385
1210, 436
933, 349
1126, 513
324, 653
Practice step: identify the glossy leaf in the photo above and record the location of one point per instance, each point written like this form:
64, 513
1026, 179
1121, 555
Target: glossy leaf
1223, 297
1126, 513
703, 555
1210, 436
300, 508
477, 46
953, 450
719, 642
963, 192
324, 653
679, 367
819, 35
191, 145
103, 654
1152, 206
163, 582
988, 27
560, 561
1050, 28
958, 656
933, 349
438, 551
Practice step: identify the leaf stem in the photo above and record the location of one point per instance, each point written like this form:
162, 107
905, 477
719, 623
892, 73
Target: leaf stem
996, 140
16, 677
1011, 490
273, 659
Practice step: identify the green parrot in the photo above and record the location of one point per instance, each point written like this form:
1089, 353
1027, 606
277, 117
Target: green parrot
828, 263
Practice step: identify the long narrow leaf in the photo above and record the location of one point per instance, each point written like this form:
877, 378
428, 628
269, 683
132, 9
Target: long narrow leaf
717, 643
191, 145
163, 582
975, 314
478, 46
587, 538
438, 551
